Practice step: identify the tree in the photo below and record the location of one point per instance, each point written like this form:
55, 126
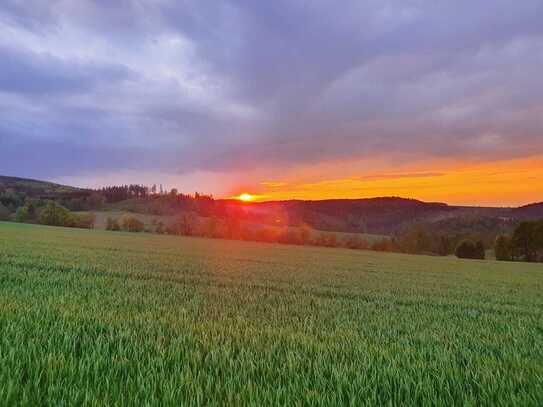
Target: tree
468, 249
305, 234
539, 235
232, 228
31, 207
502, 248
416, 240
95, 201
444, 246
480, 252
4, 212
22, 214
212, 228
186, 224
465, 249
525, 240
55, 215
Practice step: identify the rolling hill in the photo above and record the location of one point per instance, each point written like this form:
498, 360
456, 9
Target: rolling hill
383, 216
39, 189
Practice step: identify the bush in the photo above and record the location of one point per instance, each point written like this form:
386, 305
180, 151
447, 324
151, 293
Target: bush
84, 221
356, 242
326, 239
113, 225
132, 224
468, 249
265, 234
383, 245
291, 236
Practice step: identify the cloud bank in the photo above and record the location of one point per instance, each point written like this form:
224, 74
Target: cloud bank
265, 88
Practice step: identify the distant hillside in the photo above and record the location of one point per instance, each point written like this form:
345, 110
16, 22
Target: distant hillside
14, 192
529, 211
36, 188
373, 215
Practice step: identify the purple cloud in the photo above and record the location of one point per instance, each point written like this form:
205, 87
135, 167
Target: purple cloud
195, 86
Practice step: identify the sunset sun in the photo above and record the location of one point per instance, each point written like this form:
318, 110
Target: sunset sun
245, 197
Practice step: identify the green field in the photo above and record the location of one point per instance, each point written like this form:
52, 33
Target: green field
103, 318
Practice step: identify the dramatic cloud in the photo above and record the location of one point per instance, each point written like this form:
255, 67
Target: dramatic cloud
258, 91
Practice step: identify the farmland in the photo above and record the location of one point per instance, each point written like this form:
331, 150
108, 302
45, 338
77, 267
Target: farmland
92, 317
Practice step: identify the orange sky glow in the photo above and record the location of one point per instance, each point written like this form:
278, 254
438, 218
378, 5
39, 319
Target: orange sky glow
499, 183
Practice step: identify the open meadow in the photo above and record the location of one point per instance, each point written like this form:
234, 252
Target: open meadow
91, 317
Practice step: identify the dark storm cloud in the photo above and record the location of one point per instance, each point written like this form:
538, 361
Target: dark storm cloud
240, 85
26, 72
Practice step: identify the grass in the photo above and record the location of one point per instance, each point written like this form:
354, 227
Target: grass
103, 318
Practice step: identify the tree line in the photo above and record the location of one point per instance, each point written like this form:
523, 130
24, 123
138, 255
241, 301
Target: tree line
118, 193
190, 224
524, 242
424, 239
154, 200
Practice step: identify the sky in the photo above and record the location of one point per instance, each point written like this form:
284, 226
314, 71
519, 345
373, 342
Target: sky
437, 100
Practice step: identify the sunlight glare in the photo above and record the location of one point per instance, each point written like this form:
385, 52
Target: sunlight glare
245, 197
